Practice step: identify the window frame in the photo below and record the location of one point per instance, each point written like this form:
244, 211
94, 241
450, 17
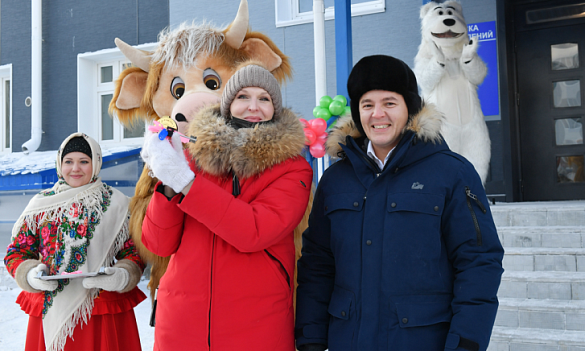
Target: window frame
287, 14
90, 89
5, 75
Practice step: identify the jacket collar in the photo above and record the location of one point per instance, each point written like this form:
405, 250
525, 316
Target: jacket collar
424, 126
247, 151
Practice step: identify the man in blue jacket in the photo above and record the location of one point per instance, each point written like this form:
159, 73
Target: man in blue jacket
401, 252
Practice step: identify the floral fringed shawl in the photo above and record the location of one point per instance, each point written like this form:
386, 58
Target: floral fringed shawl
88, 226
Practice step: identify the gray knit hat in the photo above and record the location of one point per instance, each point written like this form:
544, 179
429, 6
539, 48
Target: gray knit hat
251, 76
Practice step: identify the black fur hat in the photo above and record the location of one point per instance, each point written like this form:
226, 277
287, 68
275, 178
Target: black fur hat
381, 72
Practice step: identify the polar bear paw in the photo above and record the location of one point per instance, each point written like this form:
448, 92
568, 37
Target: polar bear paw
438, 54
469, 50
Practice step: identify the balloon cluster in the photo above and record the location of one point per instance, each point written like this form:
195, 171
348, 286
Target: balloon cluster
330, 107
315, 129
315, 135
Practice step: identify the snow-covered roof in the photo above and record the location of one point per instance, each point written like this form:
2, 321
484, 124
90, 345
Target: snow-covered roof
38, 161
37, 170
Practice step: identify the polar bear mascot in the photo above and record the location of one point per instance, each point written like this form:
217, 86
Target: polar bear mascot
448, 71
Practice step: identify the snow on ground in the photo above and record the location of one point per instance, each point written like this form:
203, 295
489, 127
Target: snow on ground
13, 321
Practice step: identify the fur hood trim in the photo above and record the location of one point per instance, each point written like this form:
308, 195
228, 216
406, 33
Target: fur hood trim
426, 124
246, 151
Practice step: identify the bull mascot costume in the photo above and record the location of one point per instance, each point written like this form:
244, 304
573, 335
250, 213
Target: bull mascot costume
185, 72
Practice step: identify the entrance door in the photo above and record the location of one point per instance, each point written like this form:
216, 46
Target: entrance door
551, 106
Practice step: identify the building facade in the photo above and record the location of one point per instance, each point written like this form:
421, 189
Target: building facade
536, 129
79, 62
537, 141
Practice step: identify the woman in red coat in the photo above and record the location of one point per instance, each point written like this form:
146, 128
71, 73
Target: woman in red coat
227, 218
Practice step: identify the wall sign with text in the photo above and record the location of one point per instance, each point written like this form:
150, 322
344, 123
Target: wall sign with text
488, 51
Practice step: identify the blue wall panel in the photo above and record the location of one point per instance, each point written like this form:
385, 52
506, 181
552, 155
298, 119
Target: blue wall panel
488, 51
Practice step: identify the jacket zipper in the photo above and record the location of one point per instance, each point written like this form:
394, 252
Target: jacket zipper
468, 196
281, 265
235, 185
374, 165
210, 293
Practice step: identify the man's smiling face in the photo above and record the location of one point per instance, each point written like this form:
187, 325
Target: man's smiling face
383, 115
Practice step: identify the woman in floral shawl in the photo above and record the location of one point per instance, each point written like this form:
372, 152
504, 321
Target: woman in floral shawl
79, 225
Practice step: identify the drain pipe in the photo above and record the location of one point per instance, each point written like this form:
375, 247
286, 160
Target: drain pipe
36, 78
319, 43
320, 62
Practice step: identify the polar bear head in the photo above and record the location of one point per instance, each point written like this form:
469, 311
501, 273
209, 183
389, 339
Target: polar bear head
443, 23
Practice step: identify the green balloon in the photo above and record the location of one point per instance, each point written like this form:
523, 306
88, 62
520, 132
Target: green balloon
316, 110
324, 113
336, 108
347, 111
340, 98
325, 101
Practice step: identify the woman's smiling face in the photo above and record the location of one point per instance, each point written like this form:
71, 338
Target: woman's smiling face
76, 168
252, 104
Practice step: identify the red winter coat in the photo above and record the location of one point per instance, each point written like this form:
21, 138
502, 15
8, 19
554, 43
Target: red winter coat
229, 283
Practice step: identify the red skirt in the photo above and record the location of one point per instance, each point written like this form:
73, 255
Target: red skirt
112, 326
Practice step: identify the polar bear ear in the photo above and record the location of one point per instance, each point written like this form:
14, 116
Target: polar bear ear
425, 9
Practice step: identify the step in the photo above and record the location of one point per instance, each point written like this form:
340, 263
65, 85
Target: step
541, 314
532, 339
544, 259
546, 236
557, 213
543, 285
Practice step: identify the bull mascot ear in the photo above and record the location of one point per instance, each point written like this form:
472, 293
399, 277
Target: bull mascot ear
131, 85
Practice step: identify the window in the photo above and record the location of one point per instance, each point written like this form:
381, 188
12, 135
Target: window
97, 73
291, 12
564, 56
569, 131
567, 93
110, 130
5, 109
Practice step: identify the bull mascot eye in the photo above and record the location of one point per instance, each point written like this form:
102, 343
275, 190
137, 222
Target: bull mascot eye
177, 87
211, 79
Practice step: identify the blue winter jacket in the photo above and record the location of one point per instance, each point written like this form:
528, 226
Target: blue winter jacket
406, 258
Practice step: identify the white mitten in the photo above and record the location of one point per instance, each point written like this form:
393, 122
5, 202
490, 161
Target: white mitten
115, 279
39, 284
438, 54
145, 147
469, 50
167, 161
